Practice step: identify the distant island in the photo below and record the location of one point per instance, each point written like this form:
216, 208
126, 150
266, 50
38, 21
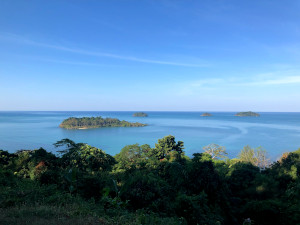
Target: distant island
140, 114
96, 122
206, 114
249, 113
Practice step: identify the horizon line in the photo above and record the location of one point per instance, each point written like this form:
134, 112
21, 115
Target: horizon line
148, 111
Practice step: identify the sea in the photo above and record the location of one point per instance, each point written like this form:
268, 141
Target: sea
275, 132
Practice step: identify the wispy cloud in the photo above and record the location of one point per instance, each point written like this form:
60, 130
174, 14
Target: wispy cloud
209, 85
277, 81
19, 39
256, 81
70, 62
206, 82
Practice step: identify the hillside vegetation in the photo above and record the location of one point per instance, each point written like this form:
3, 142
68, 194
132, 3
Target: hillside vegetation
82, 184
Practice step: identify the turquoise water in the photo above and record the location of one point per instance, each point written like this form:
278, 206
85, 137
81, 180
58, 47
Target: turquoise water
276, 132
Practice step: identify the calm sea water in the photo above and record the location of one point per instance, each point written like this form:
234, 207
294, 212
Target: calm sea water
276, 132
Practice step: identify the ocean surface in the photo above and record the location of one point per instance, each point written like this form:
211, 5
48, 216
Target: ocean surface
276, 132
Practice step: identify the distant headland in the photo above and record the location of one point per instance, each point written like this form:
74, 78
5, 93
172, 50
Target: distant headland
249, 113
96, 122
140, 114
206, 114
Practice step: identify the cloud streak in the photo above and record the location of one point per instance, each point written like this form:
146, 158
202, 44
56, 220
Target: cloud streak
233, 83
97, 54
240, 82
277, 81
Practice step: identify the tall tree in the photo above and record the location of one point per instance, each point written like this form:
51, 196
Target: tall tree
257, 157
216, 151
132, 156
166, 146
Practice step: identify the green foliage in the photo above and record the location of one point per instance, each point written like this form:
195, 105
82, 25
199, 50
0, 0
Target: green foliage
96, 122
116, 201
258, 211
241, 179
6, 159
79, 212
84, 157
144, 189
33, 163
144, 185
286, 171
195, 209
133, 156
167, 148
204, 176
92, 186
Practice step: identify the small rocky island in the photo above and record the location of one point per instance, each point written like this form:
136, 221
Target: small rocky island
206, 114
140, 114
249, 113
96, 122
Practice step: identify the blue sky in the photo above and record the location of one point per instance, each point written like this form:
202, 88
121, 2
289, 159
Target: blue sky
150, 55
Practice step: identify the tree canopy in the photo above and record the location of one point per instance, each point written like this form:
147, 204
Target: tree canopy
145, 185
167, 148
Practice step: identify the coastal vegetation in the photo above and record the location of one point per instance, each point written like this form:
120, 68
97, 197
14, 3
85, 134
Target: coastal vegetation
81, 184
140, 114
249, 113
206, 114
96, 122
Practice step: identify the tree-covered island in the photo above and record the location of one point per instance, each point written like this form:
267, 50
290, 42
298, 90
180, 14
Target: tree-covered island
249, 113
96, 122
206, 114
140, 114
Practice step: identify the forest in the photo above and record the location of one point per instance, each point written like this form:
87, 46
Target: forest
96, 122
81, 184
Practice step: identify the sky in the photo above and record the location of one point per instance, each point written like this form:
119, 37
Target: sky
151, 55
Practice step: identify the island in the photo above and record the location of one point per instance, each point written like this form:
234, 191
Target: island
249, 113
96, 122
206, 114
140, 114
